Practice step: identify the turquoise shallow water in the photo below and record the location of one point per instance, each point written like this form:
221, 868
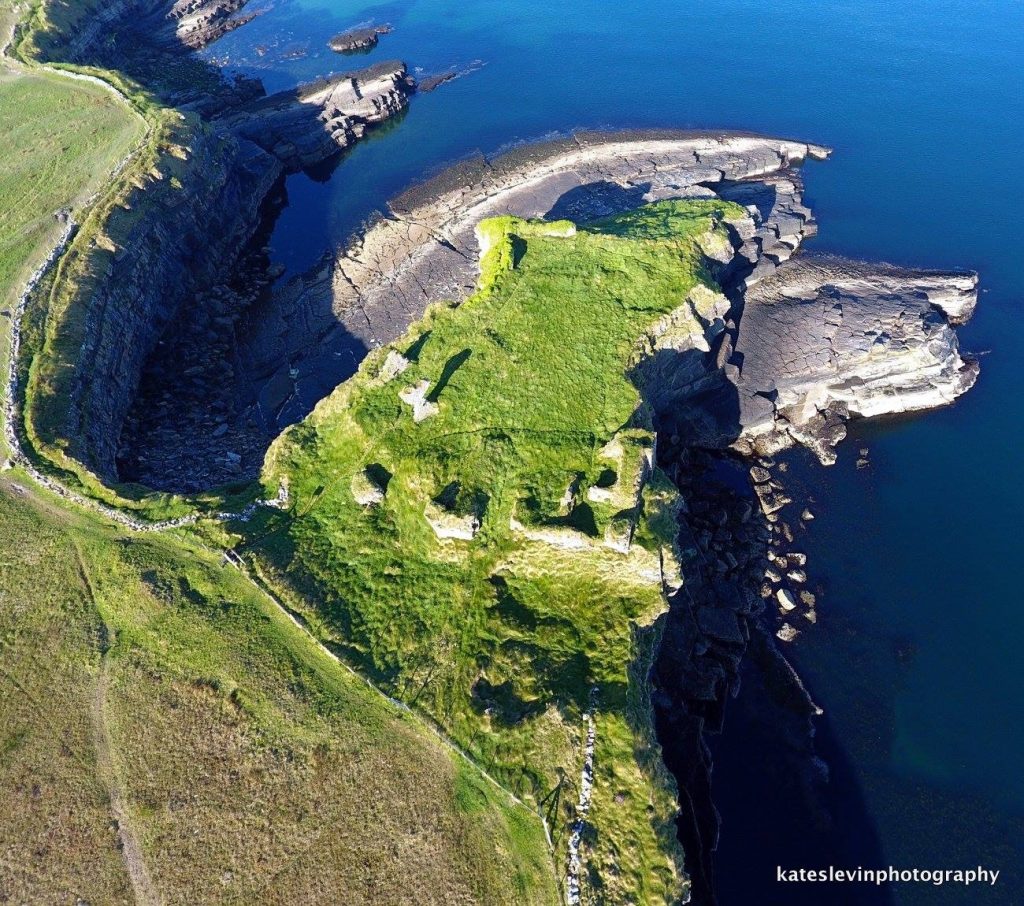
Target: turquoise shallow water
916, 658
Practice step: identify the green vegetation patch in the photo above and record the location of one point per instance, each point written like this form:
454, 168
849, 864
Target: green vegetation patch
60, 137
479, 521
251, 766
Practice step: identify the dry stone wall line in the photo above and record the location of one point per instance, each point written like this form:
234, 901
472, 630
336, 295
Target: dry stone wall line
18, 455
572, 887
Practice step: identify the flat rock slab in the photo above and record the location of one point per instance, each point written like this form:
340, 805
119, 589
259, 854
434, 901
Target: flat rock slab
824, 333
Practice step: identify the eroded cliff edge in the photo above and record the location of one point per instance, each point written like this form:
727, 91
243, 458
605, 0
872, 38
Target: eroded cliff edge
181, 225
794, 349
797, 345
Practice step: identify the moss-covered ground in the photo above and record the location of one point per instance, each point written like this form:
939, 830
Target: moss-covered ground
475, 521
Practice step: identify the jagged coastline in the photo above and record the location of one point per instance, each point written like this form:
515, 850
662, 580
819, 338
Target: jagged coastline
871, 339
179, 233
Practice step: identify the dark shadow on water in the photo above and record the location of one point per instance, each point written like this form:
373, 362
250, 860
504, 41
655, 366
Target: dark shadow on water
751, 770
772, 817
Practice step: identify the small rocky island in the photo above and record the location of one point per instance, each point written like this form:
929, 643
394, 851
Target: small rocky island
358, 39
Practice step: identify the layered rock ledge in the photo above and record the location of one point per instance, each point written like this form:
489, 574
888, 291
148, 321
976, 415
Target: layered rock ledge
179, 254
825, 338
752, 389
425, 249
305, 126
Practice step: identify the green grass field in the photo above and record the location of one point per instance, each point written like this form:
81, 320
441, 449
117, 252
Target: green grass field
60, 140
475, 521
252, 767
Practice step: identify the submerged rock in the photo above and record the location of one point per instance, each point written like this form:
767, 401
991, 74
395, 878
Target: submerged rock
429, 83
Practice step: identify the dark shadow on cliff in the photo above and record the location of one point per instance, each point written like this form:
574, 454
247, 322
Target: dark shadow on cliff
800, 820
720, 630
768, 782
200, 413
597, 199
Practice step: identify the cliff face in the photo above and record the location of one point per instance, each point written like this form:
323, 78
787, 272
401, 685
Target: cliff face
177, 236
86, 25
176, 240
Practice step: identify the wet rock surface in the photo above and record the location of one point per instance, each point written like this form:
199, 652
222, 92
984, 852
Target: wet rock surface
432, 82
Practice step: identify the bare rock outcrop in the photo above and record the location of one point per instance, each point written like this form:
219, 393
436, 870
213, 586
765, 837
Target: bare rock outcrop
201, 22
824, 338
305, 126
358, 39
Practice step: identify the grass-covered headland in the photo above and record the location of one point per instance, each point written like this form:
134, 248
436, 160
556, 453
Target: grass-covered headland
475, 519
474, 522
166, 733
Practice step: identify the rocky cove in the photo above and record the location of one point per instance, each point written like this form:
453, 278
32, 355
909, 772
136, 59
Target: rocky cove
199, 360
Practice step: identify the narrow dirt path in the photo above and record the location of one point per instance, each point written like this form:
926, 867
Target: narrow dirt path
128, 842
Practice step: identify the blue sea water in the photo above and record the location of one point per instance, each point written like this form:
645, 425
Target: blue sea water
916, 658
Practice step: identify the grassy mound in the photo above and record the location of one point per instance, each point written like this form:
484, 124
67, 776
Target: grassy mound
479, 519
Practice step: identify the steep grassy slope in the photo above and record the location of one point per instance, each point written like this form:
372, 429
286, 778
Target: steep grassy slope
59, 138
478, 518
164, 730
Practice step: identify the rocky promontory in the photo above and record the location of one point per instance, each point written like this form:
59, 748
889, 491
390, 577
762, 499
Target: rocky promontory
824, 339
305, 126
201, 22
315, 329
